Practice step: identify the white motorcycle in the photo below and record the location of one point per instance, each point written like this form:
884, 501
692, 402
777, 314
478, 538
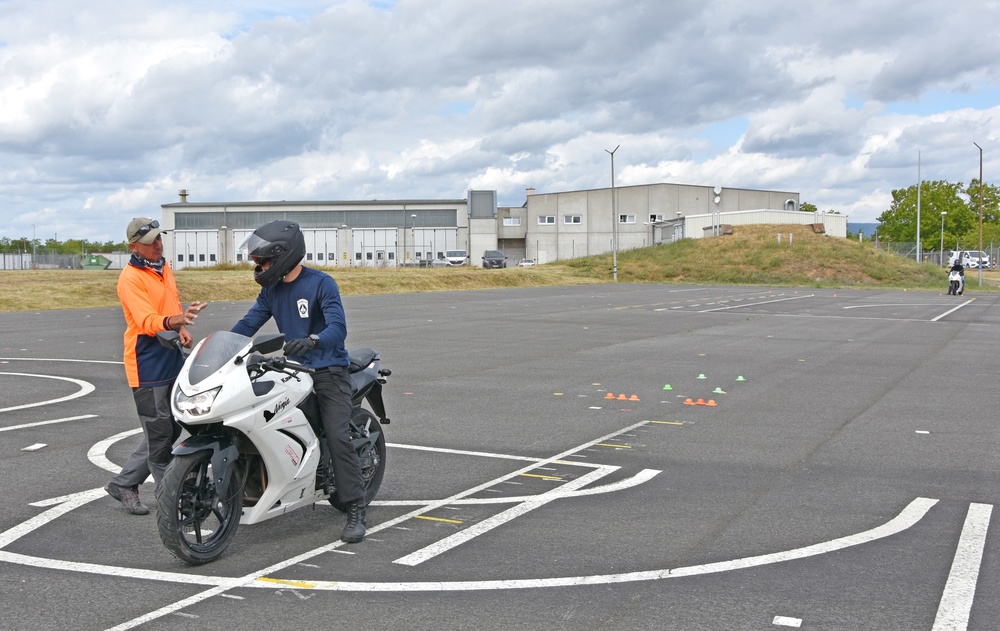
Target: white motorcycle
956, 283
256, 448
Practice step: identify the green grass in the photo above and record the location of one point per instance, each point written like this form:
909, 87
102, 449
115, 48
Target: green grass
749, 256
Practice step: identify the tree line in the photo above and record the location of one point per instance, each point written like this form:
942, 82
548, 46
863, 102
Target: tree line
961, 205
53, 246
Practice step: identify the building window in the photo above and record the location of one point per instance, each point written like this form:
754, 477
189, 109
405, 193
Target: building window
546, 219
180, 258
512, 221
319, 256
357, 256
368, 256
309, 256
392, 256
572, 219
201, 258
211, 257
330, 256
626, 218
191, 258
239, 257
655, 218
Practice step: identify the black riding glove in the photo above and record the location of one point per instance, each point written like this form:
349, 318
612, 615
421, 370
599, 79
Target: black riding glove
299, 347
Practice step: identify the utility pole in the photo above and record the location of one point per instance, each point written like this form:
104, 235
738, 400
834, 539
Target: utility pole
980, 255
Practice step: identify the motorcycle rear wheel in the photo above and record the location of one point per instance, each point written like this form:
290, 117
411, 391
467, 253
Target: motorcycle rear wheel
195, 519
372, 461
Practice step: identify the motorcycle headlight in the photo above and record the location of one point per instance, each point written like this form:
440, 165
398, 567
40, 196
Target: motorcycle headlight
198, 404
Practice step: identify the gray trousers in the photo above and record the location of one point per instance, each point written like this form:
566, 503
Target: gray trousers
159, 429
333, 389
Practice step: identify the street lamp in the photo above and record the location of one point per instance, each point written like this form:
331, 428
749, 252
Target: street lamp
34, 261
980, 265
614, 218
941, 261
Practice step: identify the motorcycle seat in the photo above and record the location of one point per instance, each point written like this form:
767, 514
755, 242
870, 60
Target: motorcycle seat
361, 357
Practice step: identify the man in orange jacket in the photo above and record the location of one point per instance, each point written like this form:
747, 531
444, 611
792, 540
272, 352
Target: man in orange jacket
148, 294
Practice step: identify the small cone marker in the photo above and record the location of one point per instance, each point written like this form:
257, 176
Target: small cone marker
634, 397
621, 397
667, 387
688, 402
700, 402
701, 376
718, 391
609, 396
711, 403
740, 378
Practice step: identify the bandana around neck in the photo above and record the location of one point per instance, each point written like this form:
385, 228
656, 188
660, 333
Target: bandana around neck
156, 266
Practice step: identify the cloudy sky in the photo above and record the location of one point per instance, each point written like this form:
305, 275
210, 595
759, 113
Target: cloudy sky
108, 108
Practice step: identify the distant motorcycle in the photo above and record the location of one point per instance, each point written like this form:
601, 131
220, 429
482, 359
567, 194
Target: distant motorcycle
956, 283
256, 448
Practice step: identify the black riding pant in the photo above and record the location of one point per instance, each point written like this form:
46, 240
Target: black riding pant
333, 391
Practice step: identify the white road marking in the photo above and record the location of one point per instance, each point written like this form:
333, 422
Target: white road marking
760, 302
467, 534
956, 601
85, 389
950, 311
57, 420
785, 621
34, 447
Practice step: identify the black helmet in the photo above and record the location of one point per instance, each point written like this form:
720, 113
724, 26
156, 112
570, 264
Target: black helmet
282, 243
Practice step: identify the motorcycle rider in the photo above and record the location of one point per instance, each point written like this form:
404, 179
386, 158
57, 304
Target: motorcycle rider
958, 267
306, 306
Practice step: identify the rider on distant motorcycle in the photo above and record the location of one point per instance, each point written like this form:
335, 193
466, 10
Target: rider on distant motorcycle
958, 267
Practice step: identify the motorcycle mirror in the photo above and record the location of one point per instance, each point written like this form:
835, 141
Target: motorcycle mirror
268, 343
170, 339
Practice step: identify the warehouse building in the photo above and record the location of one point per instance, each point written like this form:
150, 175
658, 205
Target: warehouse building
413, 232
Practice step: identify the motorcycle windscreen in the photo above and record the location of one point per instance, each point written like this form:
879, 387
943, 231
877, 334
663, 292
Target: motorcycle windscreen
218, 349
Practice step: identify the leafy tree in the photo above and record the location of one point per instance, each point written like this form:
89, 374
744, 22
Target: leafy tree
899, 223
806, 207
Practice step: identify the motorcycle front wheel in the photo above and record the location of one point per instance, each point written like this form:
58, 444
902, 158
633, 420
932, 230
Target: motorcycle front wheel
371, 456
196, 519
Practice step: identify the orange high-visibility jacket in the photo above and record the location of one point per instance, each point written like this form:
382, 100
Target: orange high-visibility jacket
148, 300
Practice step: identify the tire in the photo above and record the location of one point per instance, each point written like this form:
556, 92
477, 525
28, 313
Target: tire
372, 460
196, 521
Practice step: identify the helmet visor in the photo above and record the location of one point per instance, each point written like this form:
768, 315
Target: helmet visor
255, 249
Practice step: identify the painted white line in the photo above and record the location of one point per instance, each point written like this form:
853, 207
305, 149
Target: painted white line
49, 359
467, 534
643, 476
956, 601
896, 304
34, 447
950, 311
57, 420
85, 389
785, 621
761, 302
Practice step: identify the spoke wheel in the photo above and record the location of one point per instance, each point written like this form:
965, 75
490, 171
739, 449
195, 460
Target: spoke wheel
196, 519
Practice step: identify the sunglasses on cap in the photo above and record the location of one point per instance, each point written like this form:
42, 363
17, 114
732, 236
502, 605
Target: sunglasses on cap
143, 231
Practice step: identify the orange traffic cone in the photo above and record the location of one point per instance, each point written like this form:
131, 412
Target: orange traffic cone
622, 397
609, 396
634, 397
711, 403
688, 402
700, 402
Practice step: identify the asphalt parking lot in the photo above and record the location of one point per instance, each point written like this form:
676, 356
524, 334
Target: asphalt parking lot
840, 472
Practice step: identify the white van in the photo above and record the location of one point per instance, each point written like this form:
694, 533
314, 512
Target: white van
970, 259
457, 257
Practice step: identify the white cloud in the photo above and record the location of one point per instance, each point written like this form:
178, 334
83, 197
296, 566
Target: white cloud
107, 109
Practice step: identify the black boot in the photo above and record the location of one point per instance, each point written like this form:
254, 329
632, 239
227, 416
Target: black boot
354, 530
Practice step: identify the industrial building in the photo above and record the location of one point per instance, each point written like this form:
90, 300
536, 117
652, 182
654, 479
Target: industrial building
547, 227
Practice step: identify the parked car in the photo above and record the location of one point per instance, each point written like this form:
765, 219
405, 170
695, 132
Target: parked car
495, 259
456, 257
526, 262
440, 263
970, 258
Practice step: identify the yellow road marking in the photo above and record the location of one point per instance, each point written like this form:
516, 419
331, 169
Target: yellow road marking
615, 446
447, 521
667, 422
279, 581
544, 477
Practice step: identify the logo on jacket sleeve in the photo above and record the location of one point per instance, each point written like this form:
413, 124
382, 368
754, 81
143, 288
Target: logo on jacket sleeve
303, 306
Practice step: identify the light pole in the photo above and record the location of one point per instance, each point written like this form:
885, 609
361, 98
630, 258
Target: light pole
614, 218
34, 262
979, 266
941, 260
